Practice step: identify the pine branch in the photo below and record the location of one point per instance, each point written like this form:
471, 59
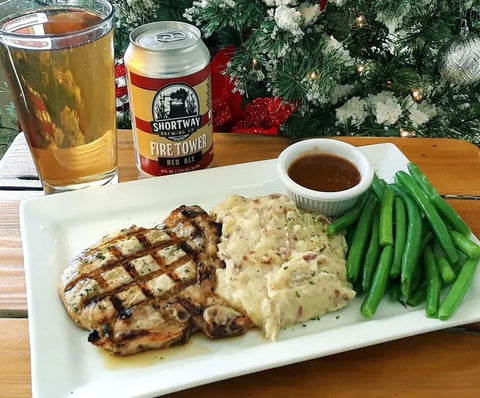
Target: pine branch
303, 78
219, 15
389, 75
338, 21
8, 127
131, 14
391, 10
261, 42
399, 41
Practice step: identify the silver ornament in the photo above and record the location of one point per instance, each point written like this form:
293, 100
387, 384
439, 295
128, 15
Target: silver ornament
459, 62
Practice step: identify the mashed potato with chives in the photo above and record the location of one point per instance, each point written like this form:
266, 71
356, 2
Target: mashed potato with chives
281, 266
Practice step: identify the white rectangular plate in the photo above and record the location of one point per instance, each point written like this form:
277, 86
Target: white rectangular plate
56, 228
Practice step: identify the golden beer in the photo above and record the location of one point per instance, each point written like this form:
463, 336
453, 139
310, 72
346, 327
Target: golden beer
61, 74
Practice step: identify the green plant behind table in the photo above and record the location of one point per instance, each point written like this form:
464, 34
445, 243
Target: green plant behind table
8, 123
358, 67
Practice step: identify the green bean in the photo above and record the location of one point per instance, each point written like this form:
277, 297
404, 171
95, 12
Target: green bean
427, 237
359, 241
357, 286
349, 236
437, 224
443, 207
450, 215
458, 290
395, 291
378, 186
434, 282
379, 284
418, 273
465, 245
349, 218
386, 217
421, 179
400, 217
373, 251
411, 253
418, 296
446, 271
457, 267
418, 276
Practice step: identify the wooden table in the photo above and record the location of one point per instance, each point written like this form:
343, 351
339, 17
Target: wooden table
440, 364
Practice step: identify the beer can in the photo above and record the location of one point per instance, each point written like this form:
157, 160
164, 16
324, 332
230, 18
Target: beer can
168, 77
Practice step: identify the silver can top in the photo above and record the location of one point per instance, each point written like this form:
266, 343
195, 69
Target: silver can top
165, 36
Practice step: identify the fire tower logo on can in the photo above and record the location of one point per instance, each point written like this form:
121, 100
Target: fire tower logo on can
175, 112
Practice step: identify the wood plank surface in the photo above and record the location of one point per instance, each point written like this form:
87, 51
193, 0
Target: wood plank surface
16, 167
424, 366
440, 159
14, 359
452, 165
440, 364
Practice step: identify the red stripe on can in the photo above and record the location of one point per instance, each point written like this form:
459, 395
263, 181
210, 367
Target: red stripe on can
147, 128
152, 167
143, 125
155, 84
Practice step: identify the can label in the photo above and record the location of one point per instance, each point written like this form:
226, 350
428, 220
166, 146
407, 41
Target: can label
172, 122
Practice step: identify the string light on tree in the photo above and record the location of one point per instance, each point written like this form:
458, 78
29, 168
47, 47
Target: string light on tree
406, 133
417, 95
361, 69
360, 20
367, 57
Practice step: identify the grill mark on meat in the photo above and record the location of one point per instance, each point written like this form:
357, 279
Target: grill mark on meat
117, 303
188, 249
125, 314
96, 274
131, 270
151, 288
115, 251
132, 334
142, 239
141, 279
207, 273
192, 309
190, 212
197, 232
98, 278
124, 234
145, 290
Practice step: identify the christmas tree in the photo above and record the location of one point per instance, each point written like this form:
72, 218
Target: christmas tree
356, 67
342, 67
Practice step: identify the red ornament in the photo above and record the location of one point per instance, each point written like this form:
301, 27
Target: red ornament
261, 116
226, 105
323, 4
264, 116
121, 93
222, 114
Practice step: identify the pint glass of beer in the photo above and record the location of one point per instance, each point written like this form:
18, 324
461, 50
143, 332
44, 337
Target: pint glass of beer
58, 61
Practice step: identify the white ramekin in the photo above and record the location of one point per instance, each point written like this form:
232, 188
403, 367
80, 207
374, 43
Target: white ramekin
331, 204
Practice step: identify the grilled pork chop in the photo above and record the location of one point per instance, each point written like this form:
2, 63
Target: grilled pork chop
140, 289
